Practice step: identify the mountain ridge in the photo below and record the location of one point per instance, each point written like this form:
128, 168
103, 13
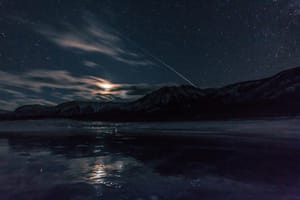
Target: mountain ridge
277, 95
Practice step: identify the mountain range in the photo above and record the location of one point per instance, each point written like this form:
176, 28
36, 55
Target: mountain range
278, 95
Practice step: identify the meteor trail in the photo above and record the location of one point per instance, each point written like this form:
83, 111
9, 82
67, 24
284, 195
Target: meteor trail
169, 67
160, 61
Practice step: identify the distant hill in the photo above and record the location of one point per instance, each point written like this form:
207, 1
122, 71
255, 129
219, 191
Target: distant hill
4, 112
278, 95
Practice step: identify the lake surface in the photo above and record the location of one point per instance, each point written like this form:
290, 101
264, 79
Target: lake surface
64, 159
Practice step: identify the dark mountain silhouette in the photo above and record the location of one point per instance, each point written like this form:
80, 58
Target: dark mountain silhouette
278, 95
4, 111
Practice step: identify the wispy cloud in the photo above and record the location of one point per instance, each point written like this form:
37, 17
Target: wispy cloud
88, 63
94, 37
32, 87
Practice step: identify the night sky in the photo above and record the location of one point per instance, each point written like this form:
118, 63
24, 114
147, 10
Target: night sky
53, 51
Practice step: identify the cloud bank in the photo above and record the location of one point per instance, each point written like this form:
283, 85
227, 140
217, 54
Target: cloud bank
50, 87
92, 36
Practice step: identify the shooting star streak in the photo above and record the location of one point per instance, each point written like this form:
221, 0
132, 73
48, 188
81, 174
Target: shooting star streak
169, 67
160, 61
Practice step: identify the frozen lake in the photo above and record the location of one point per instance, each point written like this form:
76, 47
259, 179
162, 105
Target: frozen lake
64, 159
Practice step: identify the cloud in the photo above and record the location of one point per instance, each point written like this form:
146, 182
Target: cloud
89, 64
94, 37
55, 86
137, 90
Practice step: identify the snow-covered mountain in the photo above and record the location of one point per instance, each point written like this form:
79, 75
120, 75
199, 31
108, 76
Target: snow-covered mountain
176, 96
274, 96
285, 84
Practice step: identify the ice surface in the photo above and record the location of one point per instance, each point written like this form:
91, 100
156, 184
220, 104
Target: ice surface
209, 160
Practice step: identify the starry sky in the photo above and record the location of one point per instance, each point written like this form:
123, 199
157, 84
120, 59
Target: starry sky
53, 51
